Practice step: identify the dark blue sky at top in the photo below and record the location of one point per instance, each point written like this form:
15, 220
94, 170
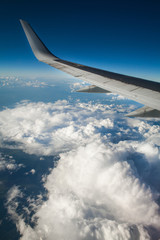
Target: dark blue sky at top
119, 36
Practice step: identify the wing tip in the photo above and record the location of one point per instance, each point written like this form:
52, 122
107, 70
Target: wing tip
23, 22
40, 51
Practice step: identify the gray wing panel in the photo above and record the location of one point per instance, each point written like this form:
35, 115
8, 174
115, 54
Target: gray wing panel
140, 90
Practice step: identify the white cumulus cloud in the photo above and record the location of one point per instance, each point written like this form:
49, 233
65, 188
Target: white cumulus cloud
8, 163
102, 186
46, 129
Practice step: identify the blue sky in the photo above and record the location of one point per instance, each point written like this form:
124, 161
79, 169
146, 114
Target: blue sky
119, 36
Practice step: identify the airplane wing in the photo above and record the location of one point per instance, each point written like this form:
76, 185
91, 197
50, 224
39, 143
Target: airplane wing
140, 90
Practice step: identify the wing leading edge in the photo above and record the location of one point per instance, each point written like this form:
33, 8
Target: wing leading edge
140, 90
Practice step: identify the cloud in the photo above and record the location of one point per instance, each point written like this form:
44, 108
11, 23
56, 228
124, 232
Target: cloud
8, 163
117, 97
13, 193
93, 194
13, 82
33, 171
106, 182
49, 128
77, 85
12, 204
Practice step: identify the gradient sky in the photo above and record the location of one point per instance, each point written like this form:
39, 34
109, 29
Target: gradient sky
119, 36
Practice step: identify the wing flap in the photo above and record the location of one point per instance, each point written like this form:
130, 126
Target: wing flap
145, 112
92, 89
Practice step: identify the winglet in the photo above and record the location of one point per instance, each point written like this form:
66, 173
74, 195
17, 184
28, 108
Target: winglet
39, 49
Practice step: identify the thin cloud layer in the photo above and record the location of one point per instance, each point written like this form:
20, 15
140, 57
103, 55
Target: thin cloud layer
103, 185
13, 82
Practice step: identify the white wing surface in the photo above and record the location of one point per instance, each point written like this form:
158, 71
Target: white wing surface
140, 90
